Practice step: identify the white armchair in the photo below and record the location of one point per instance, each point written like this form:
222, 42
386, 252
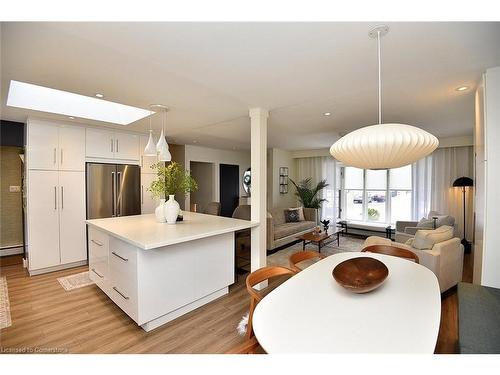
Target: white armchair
445, 259
407, 229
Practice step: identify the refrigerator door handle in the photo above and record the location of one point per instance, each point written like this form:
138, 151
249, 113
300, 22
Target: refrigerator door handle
118, 189
113, 194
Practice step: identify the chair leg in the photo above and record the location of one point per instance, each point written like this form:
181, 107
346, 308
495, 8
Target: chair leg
249, 333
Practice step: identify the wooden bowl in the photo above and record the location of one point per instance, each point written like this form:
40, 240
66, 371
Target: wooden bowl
360, 275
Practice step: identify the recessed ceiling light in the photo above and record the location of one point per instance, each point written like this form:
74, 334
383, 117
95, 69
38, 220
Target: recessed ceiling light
39, 98
99, 95
462, 88
327, 113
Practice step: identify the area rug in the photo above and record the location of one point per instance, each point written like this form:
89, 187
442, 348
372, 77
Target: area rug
5, 320
78, 280
347, 244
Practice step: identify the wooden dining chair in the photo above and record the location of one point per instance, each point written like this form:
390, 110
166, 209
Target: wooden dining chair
301, 256
248, 347
256, 277
392, 250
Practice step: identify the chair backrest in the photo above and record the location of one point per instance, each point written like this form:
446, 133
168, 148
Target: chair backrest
242, 212
256, 296
392, 250
213, 208
301, 256
263, 274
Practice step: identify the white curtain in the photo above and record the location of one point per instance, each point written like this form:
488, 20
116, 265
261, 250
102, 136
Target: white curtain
421, 186
320, 168
447, 165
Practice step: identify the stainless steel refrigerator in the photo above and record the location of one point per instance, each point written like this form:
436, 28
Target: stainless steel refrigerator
113, 190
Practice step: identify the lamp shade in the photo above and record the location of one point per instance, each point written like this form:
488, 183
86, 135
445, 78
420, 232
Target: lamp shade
384, 146
463, 181
150, 149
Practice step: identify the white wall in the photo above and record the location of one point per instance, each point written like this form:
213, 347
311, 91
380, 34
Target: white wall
491, 251
217, 157
280, 158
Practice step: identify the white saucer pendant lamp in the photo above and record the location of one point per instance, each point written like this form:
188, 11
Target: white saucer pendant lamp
383, 146
150, 149
162, 145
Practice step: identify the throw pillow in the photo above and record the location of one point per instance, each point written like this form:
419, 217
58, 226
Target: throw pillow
291, 216
425, 239
425, 223
445, 220
301, 212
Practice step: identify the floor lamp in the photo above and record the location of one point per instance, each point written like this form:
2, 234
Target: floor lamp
464, 183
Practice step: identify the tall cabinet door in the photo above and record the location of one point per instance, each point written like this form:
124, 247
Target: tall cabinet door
148, 203
43, 219
72, 216
43, 145
71, 148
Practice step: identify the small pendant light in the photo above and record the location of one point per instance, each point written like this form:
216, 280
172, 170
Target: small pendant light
162, 145
150, 149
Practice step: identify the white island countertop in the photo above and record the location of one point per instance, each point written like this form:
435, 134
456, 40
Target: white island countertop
145, 232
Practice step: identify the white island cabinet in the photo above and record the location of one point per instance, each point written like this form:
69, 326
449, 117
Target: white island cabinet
156, 272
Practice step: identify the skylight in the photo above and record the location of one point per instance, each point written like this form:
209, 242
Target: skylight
39, 98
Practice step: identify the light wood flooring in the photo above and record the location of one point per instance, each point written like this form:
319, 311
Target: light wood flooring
46, 317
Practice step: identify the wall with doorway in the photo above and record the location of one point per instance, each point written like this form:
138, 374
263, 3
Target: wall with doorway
11, 200
203, 173
217, 157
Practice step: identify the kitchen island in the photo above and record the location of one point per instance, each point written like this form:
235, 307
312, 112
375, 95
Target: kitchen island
156, 272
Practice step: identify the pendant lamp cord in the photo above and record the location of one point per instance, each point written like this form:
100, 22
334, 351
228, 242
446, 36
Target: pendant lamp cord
379, 80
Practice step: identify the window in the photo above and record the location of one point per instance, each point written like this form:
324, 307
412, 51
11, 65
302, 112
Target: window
353, 189
381, 196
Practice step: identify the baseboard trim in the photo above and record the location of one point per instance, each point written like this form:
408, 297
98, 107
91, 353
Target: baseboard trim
57, 268
11, 251
155, 323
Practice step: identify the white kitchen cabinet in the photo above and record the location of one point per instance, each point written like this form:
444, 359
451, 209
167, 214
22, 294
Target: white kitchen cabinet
55, 146
126, 146
100, 143
148, 203
43, 219
56, 219
42, 145
72, 217
71, 148
146, 161
108, 144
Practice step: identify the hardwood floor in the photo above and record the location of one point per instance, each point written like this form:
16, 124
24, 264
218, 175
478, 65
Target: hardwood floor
47, 318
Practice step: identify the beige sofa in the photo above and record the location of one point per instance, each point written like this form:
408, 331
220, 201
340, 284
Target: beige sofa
445, 258
280, 233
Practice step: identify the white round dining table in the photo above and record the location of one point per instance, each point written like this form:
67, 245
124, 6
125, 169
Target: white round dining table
312, 313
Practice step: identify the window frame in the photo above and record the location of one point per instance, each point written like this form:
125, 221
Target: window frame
388, 190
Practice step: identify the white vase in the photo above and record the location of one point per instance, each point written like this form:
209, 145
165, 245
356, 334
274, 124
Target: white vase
160, 212
171, 209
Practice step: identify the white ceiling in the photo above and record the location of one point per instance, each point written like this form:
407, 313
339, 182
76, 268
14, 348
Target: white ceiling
209, 74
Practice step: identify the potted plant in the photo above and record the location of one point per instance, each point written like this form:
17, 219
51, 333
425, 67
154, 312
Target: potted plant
308, 194
171, 179
373, 214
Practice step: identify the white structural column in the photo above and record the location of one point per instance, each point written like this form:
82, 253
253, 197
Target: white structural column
258, 125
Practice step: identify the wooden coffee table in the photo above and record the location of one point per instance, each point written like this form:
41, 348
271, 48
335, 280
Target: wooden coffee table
319, 239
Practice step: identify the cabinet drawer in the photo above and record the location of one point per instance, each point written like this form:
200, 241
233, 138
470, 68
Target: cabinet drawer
98, 257
126, 300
